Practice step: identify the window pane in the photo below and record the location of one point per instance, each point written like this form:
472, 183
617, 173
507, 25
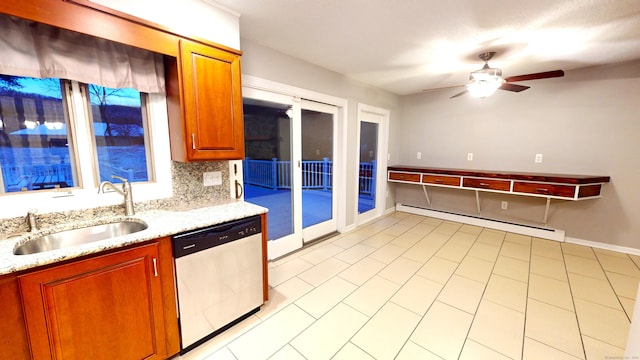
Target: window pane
119, 117
34, 141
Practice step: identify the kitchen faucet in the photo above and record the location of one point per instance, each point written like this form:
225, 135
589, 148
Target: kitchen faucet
126, 192
31, 220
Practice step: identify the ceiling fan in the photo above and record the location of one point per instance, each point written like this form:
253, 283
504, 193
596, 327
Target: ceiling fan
486, 81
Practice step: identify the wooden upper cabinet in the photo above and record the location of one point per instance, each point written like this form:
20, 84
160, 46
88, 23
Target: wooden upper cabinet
106, 307
207, 123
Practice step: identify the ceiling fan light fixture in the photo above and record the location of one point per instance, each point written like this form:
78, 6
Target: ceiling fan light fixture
482, 88
484, 82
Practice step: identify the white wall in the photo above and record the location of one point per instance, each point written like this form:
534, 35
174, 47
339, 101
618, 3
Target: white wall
585, 123
199, 18
269, 64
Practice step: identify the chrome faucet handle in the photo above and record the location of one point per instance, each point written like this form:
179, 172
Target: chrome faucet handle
124, 180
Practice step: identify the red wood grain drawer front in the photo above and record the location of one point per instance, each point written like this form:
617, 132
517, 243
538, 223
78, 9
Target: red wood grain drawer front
487, 184
441, 180
544, 189
589, 190
401, 176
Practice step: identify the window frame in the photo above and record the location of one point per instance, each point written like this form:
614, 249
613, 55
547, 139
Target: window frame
85, 194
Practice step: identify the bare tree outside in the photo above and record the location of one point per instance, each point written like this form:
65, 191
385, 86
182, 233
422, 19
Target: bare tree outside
102, 94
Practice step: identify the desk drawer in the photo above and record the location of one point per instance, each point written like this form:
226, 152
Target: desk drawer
544, 189
403, 176
487, 184
441, 180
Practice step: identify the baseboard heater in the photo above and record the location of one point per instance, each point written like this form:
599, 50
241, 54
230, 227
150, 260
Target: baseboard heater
530, 230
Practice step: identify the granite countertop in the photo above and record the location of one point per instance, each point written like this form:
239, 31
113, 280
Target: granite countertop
160, 223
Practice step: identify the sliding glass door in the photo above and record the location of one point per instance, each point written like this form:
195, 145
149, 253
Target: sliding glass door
288, 167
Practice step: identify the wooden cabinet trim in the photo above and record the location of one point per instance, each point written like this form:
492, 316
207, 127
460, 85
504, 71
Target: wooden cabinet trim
89, 18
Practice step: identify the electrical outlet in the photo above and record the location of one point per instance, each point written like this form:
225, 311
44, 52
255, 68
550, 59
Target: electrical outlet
419, 155
469, 156
538, 158
504, 205
212, 178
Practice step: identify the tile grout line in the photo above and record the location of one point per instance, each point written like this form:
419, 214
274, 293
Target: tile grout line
526, 303
479, 302
573, 302
481, 296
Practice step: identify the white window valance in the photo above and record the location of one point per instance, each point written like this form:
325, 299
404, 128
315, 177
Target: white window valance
36, 50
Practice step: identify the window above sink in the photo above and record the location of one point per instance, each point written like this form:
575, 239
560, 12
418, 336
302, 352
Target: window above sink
61, 136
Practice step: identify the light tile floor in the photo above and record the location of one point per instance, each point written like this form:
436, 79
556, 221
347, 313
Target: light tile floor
412, 287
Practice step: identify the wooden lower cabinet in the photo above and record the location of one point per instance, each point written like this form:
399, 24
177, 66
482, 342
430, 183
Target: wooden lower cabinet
14, 344
104, 307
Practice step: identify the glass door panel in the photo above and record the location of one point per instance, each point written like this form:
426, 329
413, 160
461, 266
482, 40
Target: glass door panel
372, 145
318, 203
367, 169
267, 169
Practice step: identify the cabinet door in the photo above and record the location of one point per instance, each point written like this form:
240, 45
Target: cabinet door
212, 102
107, 307
13, 334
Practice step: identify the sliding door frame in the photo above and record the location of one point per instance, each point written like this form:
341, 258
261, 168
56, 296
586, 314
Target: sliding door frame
382, 158
340, 157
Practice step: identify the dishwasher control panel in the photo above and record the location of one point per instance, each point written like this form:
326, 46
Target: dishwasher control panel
201, 239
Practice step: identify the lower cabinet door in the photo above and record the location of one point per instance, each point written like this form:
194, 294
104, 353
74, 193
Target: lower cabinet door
107, 307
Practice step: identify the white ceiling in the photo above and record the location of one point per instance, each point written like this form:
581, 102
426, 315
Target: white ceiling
405, 46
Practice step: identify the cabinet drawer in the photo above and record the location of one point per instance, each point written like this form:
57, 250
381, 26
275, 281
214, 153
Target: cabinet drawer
487, 184
402, 176
441, 180
544, 189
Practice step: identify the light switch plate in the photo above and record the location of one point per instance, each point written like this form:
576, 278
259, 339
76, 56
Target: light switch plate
212, 178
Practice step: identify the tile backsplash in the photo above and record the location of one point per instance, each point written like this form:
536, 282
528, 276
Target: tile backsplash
188, 191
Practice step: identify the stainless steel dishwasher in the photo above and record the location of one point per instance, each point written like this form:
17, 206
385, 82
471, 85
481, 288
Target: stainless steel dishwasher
218, 277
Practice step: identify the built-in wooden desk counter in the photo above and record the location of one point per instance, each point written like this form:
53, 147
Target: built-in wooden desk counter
549, 186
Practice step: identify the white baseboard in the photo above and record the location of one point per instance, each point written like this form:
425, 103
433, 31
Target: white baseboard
544, 233
599, 245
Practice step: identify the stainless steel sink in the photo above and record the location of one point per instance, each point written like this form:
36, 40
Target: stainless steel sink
83, 235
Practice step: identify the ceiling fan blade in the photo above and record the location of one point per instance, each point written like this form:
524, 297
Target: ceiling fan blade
459, 94
513, 87
535, 76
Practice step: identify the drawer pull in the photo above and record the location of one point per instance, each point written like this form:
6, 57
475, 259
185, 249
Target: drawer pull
438, 180
484, 184
542, 190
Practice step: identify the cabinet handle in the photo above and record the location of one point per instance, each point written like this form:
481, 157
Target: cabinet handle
542, 190
155, 267
484, 184
193, 141
438, 180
